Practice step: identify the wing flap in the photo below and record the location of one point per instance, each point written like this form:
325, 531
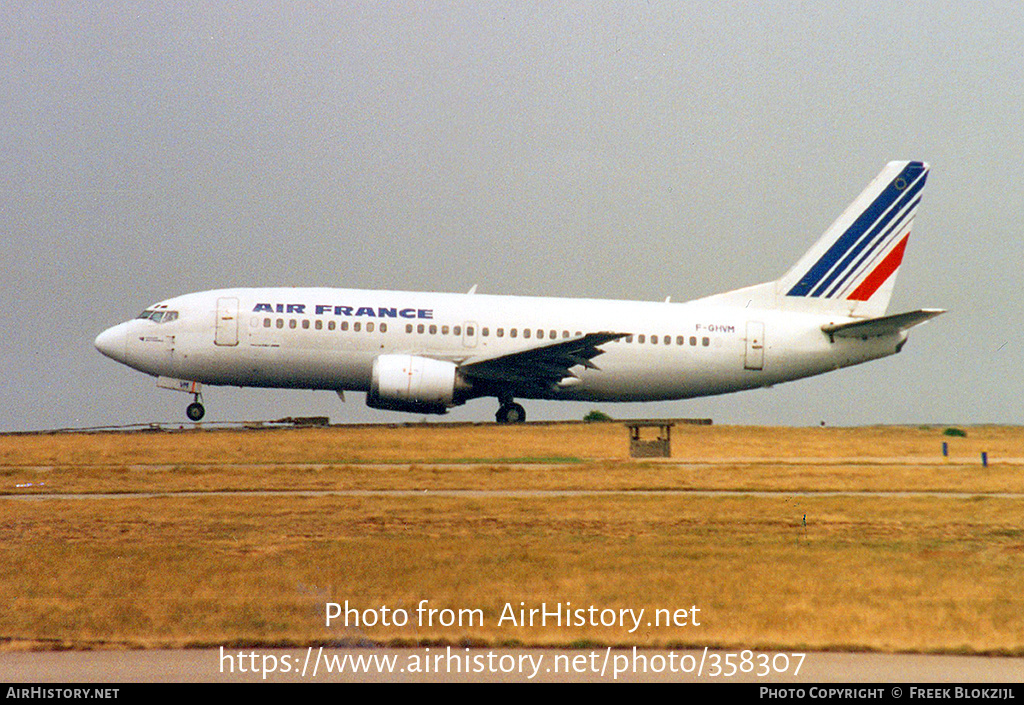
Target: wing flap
543, 365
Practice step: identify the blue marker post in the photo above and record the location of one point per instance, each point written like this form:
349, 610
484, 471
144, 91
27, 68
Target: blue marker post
984, 459
945, 449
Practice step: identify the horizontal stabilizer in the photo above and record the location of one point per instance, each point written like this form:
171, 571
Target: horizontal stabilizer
886, 325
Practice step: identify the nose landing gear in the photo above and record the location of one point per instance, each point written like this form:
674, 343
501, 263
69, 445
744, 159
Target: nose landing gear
195, 411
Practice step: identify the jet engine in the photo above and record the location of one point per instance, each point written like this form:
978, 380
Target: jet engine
419, 385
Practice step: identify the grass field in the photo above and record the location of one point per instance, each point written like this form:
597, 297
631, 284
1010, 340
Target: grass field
935, 572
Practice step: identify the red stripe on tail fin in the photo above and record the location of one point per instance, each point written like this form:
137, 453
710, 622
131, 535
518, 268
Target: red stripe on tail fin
882, 272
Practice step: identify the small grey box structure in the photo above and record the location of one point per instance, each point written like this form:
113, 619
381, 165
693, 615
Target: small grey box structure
660, 447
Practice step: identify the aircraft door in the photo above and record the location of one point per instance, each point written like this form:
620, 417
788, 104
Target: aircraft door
754, 358
227, 321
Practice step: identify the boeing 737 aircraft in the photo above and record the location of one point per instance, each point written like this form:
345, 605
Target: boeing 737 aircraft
427, 352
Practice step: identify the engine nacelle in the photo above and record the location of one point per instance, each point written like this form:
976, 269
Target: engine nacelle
415, 384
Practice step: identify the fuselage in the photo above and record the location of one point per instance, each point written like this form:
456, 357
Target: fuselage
426, 352
320, 338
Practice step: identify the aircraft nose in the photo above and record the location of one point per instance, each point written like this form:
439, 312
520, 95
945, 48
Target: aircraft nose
113, 342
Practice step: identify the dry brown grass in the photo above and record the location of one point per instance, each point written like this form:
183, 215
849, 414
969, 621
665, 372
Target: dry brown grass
489, 442
896, 573
566, 457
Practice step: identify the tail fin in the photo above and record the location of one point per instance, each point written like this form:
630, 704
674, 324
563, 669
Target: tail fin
852, 268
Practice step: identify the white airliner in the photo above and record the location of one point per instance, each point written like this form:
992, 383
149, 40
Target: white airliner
426, 352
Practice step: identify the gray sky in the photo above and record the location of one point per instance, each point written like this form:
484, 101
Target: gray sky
611, 150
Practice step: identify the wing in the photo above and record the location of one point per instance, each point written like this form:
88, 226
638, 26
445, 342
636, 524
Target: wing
539, 368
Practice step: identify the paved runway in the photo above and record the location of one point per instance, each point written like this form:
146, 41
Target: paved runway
41, 496
456, 664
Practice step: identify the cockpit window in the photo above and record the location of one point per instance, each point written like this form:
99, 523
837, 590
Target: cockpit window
159, 316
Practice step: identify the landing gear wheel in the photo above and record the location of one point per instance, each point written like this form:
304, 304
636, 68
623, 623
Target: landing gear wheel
510, 413
195, 411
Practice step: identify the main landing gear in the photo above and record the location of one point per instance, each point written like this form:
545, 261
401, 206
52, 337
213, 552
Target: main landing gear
195, 411
510, 412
